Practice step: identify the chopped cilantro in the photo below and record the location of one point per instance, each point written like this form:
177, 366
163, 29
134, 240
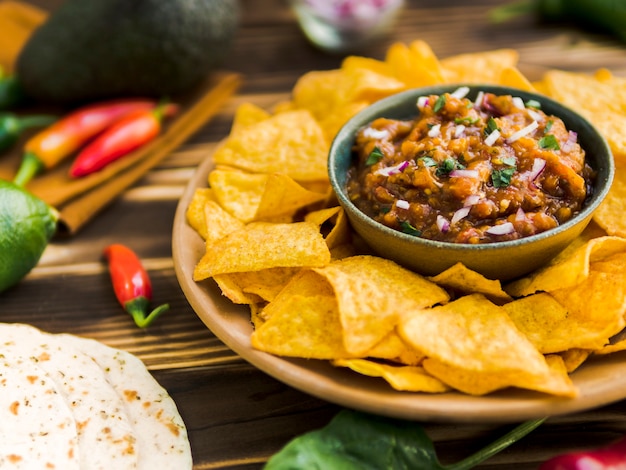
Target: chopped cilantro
440, 103
502, 178
409, 229
448, 165
533, 104
492, 125
427, 161
549, 142
466, 121
374, 157
549, 126
510, 161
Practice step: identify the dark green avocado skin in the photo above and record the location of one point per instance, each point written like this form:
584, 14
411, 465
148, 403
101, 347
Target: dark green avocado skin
96, 49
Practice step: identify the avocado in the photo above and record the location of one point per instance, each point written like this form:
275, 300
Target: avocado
95, 49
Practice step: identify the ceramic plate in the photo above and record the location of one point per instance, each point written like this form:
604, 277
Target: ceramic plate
600, 381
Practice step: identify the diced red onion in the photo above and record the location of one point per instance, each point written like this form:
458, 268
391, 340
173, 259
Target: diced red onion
392, 170
572, 138
478, 103
471, 200
378, 134
502, 229
460, 92
464, 174
435, 131
518, 102
491, 138
459, 130
535, 115
460, 214
402, 204
520, 215
442, 223
539, 165
523, 132
422, 102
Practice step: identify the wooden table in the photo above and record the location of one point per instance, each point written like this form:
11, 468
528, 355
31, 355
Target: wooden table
236, 415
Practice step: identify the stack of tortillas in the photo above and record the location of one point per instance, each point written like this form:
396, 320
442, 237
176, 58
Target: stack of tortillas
73, 403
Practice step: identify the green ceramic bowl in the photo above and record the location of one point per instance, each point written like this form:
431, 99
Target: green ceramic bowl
504, 260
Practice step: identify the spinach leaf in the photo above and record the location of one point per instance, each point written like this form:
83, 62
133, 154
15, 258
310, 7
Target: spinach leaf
360, 441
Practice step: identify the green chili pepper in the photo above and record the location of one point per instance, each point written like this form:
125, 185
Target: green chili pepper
604, 15
12, 126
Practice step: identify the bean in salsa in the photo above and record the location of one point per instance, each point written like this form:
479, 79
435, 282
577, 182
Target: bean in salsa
463, 171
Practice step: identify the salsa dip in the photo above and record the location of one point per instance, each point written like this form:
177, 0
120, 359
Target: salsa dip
488, 170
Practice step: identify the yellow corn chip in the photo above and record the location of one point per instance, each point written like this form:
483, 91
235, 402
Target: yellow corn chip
369, 308
472, 345
404, 378
292, 143
262, 245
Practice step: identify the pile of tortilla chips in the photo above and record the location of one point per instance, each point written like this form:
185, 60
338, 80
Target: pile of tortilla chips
277, 241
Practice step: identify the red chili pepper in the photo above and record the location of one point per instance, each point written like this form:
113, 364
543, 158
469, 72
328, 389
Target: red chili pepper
611, 457
131, 284
124, 136
58, 141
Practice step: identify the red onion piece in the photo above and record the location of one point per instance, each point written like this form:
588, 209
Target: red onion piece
464, 174
443, 224
471, 200
502, 229
392, 170
460, 214
539, 164
402, 204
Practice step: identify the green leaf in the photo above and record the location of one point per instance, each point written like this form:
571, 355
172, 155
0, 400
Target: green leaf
448, 165
549, 142
549, 125
510, 161
440, 103
427, 161
374, 157
361, 441
492, 125
533, 104
502, 178
466, 121
407, 228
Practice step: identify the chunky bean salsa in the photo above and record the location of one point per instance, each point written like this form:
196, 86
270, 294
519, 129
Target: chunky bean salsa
463, 171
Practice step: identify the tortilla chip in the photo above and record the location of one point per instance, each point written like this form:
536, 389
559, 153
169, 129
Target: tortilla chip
255, 286
466, 281
567, 269
479, 67
392, 348
263, 245
246, 115
368, 308
574, 358
302, 325
472, 345
195, 215
403, 378
610, 214
511, 76
553, 327
291, 142
415, 64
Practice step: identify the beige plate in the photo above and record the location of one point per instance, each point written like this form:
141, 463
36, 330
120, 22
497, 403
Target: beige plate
600, 381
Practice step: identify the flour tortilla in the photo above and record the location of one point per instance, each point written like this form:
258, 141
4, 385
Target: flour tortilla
161, 434
121, 417
37, 427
